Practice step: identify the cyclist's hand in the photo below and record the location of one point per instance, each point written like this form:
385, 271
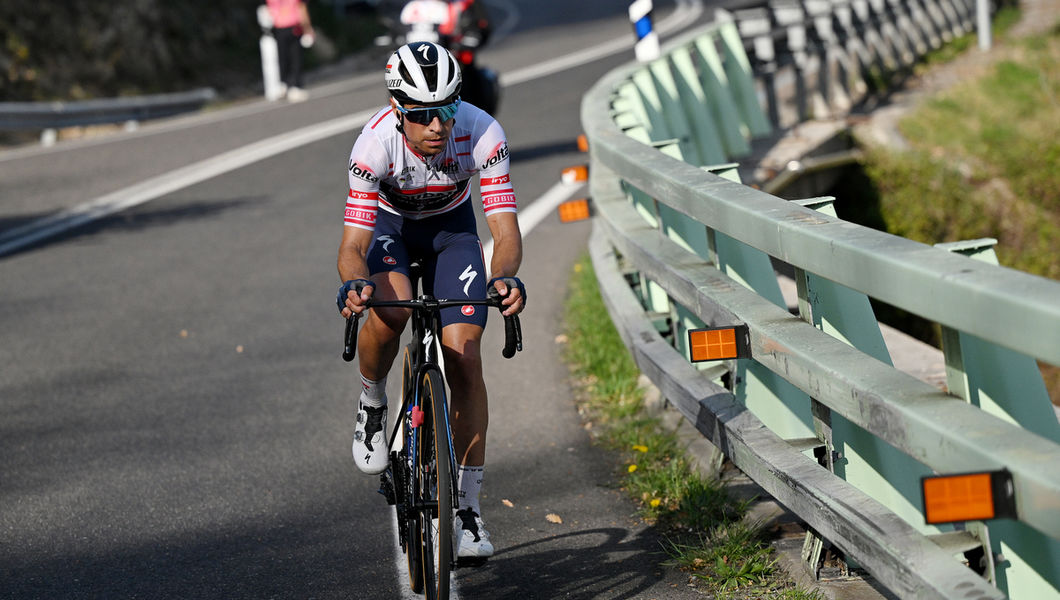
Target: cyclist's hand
350, 303
513, 292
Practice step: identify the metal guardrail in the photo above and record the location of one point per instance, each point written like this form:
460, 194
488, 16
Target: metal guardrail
54, 115
676, 246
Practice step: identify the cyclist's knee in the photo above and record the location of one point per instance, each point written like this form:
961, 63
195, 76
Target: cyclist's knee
392, 318
465, 359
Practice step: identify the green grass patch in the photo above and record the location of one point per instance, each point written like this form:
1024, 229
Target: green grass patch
984, 161
704, 526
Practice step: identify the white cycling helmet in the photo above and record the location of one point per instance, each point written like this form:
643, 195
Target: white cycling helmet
422, 73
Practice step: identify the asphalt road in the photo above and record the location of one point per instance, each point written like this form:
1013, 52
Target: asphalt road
175, 418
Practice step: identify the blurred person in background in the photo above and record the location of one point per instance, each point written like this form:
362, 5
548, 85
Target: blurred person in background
293, 31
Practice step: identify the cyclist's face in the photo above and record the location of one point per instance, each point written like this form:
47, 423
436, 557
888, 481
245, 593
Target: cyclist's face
429, 139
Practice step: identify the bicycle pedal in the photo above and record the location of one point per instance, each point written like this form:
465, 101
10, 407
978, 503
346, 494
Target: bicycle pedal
386, 487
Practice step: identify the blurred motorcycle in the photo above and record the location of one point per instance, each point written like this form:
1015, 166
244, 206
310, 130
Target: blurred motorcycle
462, 27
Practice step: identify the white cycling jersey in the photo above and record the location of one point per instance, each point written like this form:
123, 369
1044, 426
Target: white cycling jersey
386, 172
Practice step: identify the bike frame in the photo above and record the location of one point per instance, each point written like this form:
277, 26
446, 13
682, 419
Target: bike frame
426, 328
425, 331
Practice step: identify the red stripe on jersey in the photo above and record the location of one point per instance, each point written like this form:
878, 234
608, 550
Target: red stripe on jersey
498, 201
463, 138
363, 195
495, 180
360, 217
429, 188
389, 110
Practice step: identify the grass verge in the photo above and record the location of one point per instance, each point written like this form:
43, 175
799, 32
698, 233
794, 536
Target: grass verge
704, 528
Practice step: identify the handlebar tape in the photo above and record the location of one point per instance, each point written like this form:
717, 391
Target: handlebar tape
350, 345
513, 337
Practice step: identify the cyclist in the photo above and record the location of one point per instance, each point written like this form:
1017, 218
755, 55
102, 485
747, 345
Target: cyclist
410, 175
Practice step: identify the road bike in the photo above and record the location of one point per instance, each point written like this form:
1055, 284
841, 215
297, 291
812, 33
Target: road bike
421, 480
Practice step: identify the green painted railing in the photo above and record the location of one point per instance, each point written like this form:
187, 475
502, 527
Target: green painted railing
818, 416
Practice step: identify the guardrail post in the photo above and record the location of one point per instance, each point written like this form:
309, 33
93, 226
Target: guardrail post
886, 17
704, 131
1009, 385
666, 90
953, 18
740, 77
867, 462
734, 129
869, 27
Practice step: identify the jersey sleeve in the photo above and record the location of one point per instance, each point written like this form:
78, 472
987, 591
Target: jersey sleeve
368, 162
495, 183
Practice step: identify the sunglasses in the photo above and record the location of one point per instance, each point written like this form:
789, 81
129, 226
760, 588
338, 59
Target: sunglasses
423, 116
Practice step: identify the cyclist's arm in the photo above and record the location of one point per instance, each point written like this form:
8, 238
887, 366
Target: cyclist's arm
499, 206
507, 256
352, 264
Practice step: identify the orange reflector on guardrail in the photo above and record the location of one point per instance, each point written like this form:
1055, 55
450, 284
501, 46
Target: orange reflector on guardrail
575, 174
583, 143
719, 343
968, 497
574, 210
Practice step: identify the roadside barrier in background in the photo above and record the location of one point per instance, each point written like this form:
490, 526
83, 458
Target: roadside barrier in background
49, 116
818, 416
837, 50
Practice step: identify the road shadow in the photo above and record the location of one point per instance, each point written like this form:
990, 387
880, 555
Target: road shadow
269, 561
137, 219
591, 564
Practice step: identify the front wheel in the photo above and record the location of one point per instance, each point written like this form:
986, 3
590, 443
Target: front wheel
434, 472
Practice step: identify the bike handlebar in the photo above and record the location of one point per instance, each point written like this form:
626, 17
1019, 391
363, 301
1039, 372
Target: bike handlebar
513, 333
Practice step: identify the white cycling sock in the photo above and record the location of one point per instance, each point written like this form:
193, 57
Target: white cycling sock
469, 482
373, 393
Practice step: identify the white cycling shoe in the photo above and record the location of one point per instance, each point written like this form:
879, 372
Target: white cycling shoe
471, 538
369, 440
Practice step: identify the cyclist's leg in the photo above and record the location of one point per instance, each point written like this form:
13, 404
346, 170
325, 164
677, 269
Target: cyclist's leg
469, 406
388, 263
378, 345
458, 271
469, 410
379, 340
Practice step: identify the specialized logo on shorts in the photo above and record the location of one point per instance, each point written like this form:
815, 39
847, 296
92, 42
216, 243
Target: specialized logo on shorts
390, 260
468, 310
469, 275
386, 240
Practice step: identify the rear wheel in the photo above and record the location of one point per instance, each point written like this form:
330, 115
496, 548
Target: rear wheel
435, 476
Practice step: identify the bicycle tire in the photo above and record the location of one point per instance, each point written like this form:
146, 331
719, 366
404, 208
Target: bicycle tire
407, 375
437, 487
409, 520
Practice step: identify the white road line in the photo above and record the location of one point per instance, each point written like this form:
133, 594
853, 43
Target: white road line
155, 187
